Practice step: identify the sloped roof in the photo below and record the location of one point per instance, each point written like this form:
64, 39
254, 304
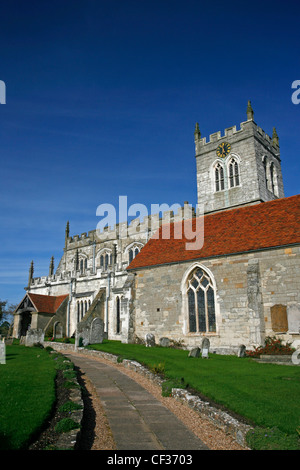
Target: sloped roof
262, 226
47, 303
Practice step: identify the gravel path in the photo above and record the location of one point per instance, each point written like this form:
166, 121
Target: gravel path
102, 438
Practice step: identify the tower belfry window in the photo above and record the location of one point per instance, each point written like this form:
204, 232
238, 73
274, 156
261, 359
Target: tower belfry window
219, 177
234, 178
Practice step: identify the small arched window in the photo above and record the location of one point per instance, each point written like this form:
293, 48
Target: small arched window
219, 177
234, 177
273, 179
201, 302
133, 252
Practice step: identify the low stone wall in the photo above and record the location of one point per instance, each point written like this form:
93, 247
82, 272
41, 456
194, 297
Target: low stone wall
59, 346
218, 417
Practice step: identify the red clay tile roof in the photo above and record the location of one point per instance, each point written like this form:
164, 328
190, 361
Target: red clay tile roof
47, 303
265, 225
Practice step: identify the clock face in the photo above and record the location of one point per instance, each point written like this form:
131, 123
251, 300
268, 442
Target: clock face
223, 149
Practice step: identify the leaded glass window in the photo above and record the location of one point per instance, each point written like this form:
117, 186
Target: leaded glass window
201, 302
219, 177
234, 178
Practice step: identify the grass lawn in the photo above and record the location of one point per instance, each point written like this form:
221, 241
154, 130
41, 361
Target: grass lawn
268, 395
27, 393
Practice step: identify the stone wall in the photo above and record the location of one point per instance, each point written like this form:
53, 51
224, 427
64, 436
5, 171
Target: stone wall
246, 288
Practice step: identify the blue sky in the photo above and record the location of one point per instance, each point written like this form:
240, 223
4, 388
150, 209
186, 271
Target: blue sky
102, 99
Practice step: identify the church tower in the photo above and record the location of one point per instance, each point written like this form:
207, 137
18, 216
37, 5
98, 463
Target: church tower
242, 167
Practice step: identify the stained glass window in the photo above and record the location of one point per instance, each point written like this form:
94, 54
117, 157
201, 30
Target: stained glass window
201, 302
192, 311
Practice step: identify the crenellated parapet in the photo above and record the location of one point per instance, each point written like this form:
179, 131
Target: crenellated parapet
139, 228
247, 129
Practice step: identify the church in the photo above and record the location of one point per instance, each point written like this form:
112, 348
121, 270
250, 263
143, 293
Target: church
236, 285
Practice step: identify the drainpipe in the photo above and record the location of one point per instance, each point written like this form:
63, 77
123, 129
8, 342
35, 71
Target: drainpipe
106, 303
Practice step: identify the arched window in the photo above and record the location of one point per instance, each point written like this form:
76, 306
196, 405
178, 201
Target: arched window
118, 317
234, 178
201, 302
133, 252
273, 178
219, 177
264, 162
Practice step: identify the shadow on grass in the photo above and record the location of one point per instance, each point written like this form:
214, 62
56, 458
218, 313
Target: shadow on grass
10, 356
88, 423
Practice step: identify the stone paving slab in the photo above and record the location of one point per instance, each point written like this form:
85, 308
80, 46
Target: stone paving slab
138, 421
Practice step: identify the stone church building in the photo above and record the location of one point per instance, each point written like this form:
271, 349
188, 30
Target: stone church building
238, 286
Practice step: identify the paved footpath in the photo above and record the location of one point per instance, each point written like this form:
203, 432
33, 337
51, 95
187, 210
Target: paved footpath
138, 421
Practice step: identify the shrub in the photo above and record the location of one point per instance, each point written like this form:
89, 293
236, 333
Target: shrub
70, 384
70, 406
66, 340
66, 425
69, 374
158, 368
273, 346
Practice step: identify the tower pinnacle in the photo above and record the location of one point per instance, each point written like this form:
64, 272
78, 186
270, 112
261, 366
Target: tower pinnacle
250, 112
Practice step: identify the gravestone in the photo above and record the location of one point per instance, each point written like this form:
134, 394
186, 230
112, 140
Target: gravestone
2, 352
96, 331
34, 336
293, 313
150, 340
242, 351
195, 352
164, 342
205, 348
58, 331
82, 336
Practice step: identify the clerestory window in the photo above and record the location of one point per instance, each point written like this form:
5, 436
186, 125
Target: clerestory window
133, 252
